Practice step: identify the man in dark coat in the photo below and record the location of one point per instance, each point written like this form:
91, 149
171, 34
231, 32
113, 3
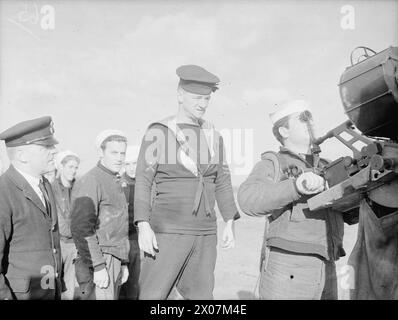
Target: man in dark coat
67, 164
99, 222
30, 252
130, 289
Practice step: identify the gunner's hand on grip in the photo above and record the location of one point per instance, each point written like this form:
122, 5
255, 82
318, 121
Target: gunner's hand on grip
310, 183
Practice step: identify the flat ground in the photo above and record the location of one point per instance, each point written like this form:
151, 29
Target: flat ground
237, 270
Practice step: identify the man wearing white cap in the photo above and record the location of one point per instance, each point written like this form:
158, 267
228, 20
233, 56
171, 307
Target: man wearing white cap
67, 164
300, 246
130, 289
99, 222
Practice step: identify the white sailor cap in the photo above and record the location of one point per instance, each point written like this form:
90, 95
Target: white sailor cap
288, 108
102, 136
132, 152
61, 156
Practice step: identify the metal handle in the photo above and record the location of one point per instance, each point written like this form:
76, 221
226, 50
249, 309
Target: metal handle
366, 55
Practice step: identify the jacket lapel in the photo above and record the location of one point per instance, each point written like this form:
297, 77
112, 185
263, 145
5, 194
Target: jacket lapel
25, 187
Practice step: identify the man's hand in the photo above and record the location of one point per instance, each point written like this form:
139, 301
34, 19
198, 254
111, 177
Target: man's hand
229, 235
310, 183
125, 273
101, 278
146, 238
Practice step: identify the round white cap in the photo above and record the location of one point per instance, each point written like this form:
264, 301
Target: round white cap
61, 156
106, 134
288, 108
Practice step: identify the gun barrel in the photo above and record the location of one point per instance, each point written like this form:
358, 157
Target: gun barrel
332, 133
320, 140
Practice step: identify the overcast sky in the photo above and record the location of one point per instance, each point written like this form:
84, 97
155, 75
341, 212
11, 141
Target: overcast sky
111, 64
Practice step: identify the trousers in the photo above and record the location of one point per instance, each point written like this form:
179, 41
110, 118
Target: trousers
292, 276
69, 253
113, 266
129, 290
184, 262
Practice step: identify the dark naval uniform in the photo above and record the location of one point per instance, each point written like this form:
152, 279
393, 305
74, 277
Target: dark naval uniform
185, 188
30, 252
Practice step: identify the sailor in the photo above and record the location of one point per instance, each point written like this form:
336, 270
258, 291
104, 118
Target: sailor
182, 158
300, 247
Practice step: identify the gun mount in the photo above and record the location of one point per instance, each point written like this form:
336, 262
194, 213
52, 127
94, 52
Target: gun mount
369, 93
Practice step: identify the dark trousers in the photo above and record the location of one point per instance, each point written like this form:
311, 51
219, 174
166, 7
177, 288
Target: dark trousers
184, 261
129, 289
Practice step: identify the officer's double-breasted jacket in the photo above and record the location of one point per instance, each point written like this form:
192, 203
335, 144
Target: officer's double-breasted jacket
30, 253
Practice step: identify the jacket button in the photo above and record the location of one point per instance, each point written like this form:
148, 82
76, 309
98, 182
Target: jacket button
56, 274
55, 250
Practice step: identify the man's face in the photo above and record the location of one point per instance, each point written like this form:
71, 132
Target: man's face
113, 155
39, 158
131, 166
195, 105
69, 170
298, 132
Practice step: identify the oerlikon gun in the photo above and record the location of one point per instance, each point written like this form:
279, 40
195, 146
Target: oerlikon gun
369, 94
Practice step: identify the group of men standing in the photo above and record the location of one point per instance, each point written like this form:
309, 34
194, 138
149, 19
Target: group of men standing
155, 233
64, 239
154, 228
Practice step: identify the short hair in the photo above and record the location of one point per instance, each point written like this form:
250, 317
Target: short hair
69, 158
283, 122
111, 138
